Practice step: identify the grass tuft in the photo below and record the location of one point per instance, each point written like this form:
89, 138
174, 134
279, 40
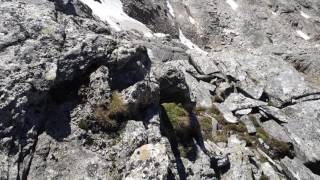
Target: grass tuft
262, 134
108, 115
179, 120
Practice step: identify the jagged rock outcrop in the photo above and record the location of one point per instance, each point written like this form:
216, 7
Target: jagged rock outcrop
83, 83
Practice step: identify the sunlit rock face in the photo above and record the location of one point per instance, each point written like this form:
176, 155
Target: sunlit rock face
159, 89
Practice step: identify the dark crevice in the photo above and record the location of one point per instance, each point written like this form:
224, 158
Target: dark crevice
295, 99
136, 69
44, 115
314, 167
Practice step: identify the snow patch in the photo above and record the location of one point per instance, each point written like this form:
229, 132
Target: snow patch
150, 54
160, 35
184, 40
303, 35
192, 21
304, 15
171, 11
230, 31
274, 13
111, 12
232, 4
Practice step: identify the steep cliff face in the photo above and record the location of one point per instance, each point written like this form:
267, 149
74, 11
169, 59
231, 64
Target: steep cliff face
159, 89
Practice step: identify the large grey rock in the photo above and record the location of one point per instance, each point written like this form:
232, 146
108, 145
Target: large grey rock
281, 82
237, 101
99, 86
276, 130
57, 60
269, 171
249, 124
148, 161
240, 167
202, 62
199, 91
303, 129
295, 169
134, 136
200, 168
141, 95
274, 113
52, 160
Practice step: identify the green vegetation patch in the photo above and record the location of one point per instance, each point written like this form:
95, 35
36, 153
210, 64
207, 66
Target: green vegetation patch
179, 119
109, 115
206, 127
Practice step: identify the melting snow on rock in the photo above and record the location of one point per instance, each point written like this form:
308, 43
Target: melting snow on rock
233, 4
111, 11
171, 11
303, 35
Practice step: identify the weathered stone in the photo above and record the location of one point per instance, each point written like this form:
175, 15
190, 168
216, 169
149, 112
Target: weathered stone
303, 130
237, 101
200, 168
296, 170
202, 62
243, 112
269, 171
249, 124
227, 114
274, 113
239, 161
148, 161
275, 130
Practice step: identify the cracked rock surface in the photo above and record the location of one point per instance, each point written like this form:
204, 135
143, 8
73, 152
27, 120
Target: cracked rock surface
196, 89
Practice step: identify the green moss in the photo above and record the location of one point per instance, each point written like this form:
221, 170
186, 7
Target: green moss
117, 105
270, 103
83, 124
236, 127
262, 134
221, 136
179, 120
108, 115
206, 127
174, 111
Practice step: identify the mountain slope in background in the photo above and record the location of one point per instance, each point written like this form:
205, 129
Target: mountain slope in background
159, 89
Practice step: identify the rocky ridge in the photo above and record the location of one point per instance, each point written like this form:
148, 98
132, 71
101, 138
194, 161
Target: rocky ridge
195, 89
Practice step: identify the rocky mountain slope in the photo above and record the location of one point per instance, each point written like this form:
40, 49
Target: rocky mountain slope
160, 89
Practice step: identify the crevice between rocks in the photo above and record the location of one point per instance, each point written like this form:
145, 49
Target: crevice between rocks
314, 167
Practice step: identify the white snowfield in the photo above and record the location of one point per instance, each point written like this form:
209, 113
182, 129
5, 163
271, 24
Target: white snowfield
303, 35
171, 11
111, 11
304, 15
232, 4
